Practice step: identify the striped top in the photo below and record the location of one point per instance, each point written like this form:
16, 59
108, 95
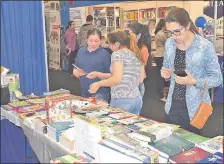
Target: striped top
128, 86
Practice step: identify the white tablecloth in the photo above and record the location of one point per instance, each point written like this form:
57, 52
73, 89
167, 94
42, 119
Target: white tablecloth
44, 147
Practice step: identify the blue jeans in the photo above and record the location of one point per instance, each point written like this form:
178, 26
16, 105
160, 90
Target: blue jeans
142, 89
130, 105
104, 96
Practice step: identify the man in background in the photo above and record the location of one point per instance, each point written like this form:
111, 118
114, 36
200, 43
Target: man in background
82, 35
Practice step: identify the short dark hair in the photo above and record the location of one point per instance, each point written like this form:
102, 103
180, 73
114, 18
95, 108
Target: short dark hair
94, 31
89, 18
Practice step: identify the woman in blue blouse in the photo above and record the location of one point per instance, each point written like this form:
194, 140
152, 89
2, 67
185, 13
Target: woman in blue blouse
92, 58
187, 51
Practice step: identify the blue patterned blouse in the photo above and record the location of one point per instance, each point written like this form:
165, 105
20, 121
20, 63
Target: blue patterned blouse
202, 63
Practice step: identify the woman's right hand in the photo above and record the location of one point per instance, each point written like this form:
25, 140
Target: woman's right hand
165, 73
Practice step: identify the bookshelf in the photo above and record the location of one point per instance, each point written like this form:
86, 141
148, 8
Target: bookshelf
107, 19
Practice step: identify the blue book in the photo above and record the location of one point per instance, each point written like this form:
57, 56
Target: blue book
214, 158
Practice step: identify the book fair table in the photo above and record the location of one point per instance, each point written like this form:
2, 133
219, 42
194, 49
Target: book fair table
70, 129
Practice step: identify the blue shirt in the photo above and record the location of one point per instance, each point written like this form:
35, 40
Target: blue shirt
202, 63
98, 60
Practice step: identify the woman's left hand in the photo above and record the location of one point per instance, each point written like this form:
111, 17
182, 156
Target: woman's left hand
93, 88
187, 80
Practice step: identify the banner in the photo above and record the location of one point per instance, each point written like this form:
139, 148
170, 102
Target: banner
209, 15
53, 24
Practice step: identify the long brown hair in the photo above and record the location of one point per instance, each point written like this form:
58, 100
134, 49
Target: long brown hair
125, 39
181, 16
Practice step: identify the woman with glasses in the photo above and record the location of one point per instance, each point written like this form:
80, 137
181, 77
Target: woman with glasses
189, 61
160, 39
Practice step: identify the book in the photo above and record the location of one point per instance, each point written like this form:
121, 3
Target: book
170, 146
70, 158
132, 120
192, 155
213, 158
27, 109
121, 115
150, 157
16, 104
212, 145
192, 137
158, 130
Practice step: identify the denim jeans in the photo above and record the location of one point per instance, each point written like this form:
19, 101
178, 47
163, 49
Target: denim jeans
104, 96
133, 105
142, 89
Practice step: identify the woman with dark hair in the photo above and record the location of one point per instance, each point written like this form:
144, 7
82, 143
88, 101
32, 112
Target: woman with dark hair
160, 39
192, 56
92, 58
70, 41
124, 77
142, 36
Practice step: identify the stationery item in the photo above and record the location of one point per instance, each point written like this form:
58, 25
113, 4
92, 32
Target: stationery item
203, 112
213, 158
192, 155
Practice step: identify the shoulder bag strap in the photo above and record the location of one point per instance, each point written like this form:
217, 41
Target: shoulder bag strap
203, 91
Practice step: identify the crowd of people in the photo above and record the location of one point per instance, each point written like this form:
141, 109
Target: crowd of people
185, 59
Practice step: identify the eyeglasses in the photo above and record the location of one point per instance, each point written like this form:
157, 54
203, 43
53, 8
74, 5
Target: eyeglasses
176, 32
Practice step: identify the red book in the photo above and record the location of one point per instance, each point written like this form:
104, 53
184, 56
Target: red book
192, 155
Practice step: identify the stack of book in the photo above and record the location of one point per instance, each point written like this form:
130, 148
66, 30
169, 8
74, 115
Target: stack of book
170, 147
212, 145
55, 129
67, 138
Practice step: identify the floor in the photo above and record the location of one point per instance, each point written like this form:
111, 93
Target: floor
152, 108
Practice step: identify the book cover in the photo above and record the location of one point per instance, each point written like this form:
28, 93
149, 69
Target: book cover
171, 146
71, 158
192, 155
17, 104
213, 158
212, 145
132, 120
192, 137
121, 115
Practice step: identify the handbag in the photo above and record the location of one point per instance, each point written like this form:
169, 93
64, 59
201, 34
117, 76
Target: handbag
5, 95
203, 112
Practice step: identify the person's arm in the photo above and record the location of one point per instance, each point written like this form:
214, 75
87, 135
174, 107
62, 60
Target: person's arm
213, 72
116, 75
142, 75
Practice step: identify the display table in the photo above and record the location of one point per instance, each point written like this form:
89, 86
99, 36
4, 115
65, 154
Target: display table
43, 146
